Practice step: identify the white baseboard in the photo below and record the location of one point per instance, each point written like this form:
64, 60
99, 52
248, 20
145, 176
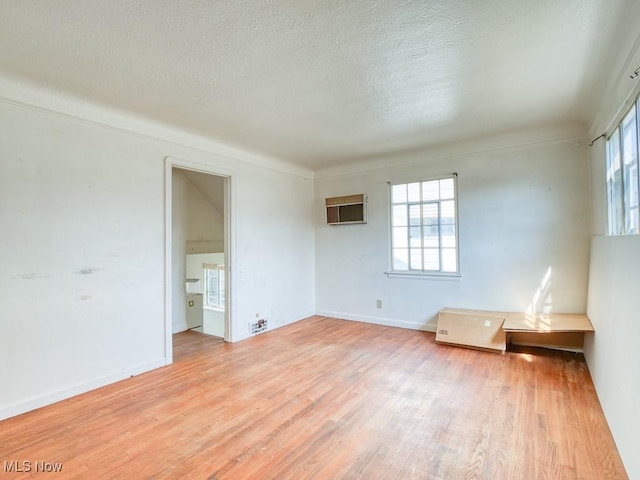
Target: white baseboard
389, 322
181, 327
273, 325
48, 399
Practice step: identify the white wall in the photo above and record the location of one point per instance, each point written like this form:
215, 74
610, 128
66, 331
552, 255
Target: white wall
82, 246
614, 282
274, 264
522, 213
612, 351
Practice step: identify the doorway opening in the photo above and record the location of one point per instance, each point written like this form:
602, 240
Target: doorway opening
198, 251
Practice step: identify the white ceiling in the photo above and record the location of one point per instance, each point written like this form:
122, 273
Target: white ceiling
319, 83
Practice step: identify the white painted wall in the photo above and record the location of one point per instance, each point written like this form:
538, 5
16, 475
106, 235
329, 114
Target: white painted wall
612, 351
82, 245
614, 282
213, 322
274, 252
523, 212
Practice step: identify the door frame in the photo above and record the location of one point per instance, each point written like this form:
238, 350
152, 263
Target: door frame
229, 245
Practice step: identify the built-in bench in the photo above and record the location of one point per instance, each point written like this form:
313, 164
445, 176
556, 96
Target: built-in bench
492, 331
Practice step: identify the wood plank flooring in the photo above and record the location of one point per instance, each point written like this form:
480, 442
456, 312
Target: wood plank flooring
328, 399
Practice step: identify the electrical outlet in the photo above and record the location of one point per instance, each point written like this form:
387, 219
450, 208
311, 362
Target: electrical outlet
378, 303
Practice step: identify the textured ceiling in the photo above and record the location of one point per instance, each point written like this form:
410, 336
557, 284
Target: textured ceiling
319, 83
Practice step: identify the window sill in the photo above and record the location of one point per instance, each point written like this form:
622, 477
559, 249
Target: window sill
213, 309
444, 277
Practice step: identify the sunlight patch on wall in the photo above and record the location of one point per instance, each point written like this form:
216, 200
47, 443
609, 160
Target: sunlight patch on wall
541, 302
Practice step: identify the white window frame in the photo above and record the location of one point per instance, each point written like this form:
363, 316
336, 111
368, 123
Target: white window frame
221, 287
425, 273
623, 200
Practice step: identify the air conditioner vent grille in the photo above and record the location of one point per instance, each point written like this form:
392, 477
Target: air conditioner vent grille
257, 327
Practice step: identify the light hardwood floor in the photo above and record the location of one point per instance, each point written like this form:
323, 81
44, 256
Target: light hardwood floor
329, 399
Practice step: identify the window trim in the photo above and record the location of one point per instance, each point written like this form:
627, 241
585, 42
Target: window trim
424, 274
622, 202
219, 268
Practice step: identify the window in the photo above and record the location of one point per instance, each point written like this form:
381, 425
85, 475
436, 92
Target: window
214, 285
622, 175
424, 227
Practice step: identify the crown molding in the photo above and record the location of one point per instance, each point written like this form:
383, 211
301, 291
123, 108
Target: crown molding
44, 99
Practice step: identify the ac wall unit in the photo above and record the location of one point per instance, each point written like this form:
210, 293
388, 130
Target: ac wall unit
347, 209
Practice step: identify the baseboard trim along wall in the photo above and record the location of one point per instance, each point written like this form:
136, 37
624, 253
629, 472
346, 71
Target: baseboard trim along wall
389, 322
48, 399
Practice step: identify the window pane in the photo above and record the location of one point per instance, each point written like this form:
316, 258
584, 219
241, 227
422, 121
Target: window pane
446, 188
212, 299
430, 190
400, 259
614, 184
413, 192
399, 218
400, 237
212, 276
414, 214
431, 236
415, 237
424, 226
448, 212
399, 193
449, 260
212, 286
633, 219
432, 259
430, 214
416, 259
449, 236
630, 174
430, 221
221, 286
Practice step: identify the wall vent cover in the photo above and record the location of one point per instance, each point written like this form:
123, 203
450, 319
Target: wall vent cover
257, 327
